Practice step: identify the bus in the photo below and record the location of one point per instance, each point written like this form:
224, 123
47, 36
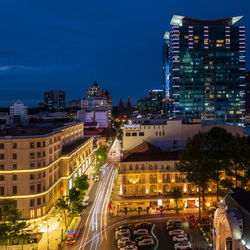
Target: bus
73, 230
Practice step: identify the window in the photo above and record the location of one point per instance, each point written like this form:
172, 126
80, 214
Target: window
39, 189
43, 153
44, 200
32, 155
134, 134
14, 156
32, 203
156, 133
38, 154
32, 177
32, 188
130, 167
14, 166
1, 177
43, 143
14, 190
14, 177
1, 146
141, 133
32, 165
14, 145
38, 201
39, 176
39, 164
38, 144
156, 166
32, 145
1, 167
136, 167
1, 156
2, 191
128, 134
142, 166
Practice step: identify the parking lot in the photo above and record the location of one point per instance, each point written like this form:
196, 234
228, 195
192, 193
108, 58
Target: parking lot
162, 239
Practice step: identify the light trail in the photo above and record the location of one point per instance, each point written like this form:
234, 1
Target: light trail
98, 211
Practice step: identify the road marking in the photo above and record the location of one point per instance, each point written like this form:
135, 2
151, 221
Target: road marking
157, 242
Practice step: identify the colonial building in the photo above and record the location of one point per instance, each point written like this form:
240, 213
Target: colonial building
146, 179
38, 164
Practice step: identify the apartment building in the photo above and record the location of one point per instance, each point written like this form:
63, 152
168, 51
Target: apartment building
38, 164
145, 179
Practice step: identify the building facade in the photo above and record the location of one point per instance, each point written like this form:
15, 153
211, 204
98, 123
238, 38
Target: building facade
55, 99
38, 168
168, 134
205, 69
146, 179
18, 113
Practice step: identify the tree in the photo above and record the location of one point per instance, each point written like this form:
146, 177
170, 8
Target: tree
12, 229
139, 209
195, 163
176, 195
81, 182
125, 210
62, 204
101, 157
147, 210
75, 199
218, 149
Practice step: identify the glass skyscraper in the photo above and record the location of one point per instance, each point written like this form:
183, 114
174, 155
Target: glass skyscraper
204, 69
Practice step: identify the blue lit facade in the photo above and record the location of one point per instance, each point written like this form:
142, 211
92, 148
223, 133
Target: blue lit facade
207, 70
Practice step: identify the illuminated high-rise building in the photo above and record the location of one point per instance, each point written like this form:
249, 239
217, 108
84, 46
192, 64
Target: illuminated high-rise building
204, 69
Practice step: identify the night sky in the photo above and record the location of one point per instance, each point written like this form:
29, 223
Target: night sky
67, 45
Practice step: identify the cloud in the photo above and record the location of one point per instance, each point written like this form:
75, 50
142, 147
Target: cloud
5, 68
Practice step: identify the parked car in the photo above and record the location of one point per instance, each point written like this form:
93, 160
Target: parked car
146, 242
123, 239
119, 235
126, 243
129, 247
144, 237
140, 232
96, 178
86, 201
123, 227
173, 221
176, 232
146, 225
183, 245
174, 226
180, 237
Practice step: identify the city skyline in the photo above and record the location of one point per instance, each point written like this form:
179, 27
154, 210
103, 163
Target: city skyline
116, 44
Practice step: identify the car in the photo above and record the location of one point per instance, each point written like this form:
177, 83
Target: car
143, 237
174, 226
176, 232
129, 247
180, 237
96, 178
121, 235
126, 243
146, 242
183, 245
146, 225
140, 232
123, 230
123, 227
173, 221
123, 239
86, 201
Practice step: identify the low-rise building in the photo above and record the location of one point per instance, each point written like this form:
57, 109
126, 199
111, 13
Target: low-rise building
168, 134
38, 164
146, 179
231, 229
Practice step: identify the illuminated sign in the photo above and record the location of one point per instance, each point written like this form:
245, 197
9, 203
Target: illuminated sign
132, 125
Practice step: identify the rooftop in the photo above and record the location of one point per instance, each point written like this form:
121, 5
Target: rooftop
184, 21
151, 156
241, 196
70, 149
37, 129
145, 147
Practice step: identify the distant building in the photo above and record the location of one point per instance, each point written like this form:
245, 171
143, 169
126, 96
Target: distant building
168, 134
204, 69
18, 113
96, 107
75, 104
55, 99
231, 229
152, 103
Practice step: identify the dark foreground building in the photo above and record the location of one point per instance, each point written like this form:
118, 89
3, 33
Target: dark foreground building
204, 69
